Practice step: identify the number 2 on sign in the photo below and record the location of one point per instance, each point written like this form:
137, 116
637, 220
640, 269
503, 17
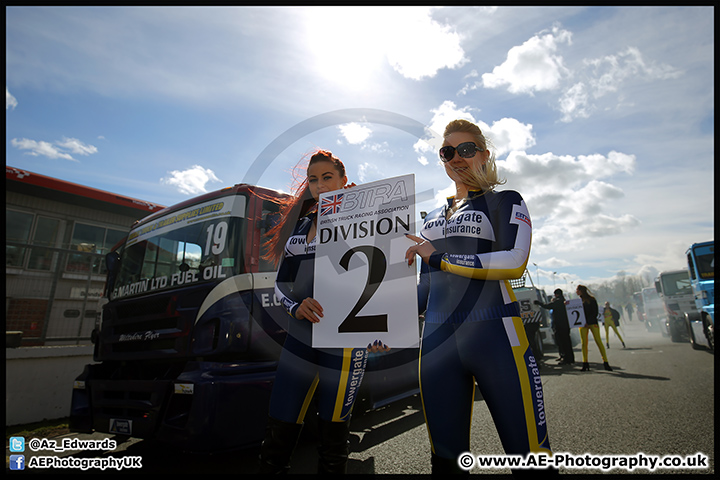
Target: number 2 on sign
577, 321
576, 314
376, 273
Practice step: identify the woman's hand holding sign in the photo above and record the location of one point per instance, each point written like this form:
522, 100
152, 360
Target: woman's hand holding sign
421, 247
310, 310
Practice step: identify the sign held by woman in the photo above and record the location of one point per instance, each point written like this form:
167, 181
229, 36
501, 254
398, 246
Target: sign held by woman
367, 291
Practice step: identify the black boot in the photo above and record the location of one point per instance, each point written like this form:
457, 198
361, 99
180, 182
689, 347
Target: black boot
585, 367
334, 447
441, 466
606, 365
278, 445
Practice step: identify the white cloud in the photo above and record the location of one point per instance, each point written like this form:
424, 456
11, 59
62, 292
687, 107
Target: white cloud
354, 133
368, 172
350, 45
575, 102
10, 101
508, 134
648, 273
569, 203
57, 150
610, 71
191, 181
532, 66
536, 66
35, 148
607, 75
558, 175
442, 115
76, 146
571, 198
418, 46
600, 166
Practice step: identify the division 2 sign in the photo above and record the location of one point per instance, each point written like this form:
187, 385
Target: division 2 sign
366, 289
575, 313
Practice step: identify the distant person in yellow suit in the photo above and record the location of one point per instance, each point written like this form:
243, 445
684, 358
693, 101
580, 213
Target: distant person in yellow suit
611, 317
590, 307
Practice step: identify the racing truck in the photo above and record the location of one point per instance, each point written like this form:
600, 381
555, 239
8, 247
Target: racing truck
675, 291
701, 323
187, 345
653, 310
535, 319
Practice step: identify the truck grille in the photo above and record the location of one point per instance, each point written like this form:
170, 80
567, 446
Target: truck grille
133, 401
152, 306
147, 329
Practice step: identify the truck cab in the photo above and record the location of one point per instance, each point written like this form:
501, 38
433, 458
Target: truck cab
535, 319
676, 293
653, 310
701, 266
191, 330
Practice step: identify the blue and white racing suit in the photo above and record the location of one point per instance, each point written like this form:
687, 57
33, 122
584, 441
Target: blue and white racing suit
336, 373
473, 331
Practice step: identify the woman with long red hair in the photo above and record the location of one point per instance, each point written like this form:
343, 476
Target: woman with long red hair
335, 373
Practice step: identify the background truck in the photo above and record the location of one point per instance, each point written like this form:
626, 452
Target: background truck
187, 345
676, 293
535, 319
701, 323
653, 310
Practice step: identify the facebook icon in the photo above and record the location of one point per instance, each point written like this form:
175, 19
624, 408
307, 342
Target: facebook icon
17, 462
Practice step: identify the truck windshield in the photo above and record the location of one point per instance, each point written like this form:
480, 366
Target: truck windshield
201, 243
676, 284
705, 261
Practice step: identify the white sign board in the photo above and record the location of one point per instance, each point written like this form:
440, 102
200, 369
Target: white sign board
362, 282
575, 312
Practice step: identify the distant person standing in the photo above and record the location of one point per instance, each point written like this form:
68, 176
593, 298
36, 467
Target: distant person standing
590, 308
561, 327
611, 319
630, 310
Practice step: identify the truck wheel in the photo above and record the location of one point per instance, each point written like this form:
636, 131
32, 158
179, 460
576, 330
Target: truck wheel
691, 335
709, 330
538, 347
675, 333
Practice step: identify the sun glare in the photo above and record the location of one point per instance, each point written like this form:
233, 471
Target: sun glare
346, 45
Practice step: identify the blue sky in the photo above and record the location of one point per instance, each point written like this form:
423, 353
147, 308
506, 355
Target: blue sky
602, 117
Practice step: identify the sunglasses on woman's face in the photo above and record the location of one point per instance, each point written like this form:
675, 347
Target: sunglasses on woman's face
465, 150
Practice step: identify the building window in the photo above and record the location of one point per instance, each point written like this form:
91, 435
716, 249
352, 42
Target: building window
17, 229
91, 239
46, 233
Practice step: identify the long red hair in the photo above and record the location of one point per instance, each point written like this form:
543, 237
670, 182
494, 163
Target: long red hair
296, 206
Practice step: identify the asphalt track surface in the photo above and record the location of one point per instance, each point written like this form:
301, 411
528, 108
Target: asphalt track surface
658, 401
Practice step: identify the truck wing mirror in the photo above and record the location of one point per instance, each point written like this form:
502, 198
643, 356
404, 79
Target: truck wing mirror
112, 262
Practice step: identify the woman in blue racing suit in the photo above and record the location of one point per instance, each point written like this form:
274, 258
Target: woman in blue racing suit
336, 373
473, 332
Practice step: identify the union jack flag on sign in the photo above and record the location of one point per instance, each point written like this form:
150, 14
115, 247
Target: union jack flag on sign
331, 204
